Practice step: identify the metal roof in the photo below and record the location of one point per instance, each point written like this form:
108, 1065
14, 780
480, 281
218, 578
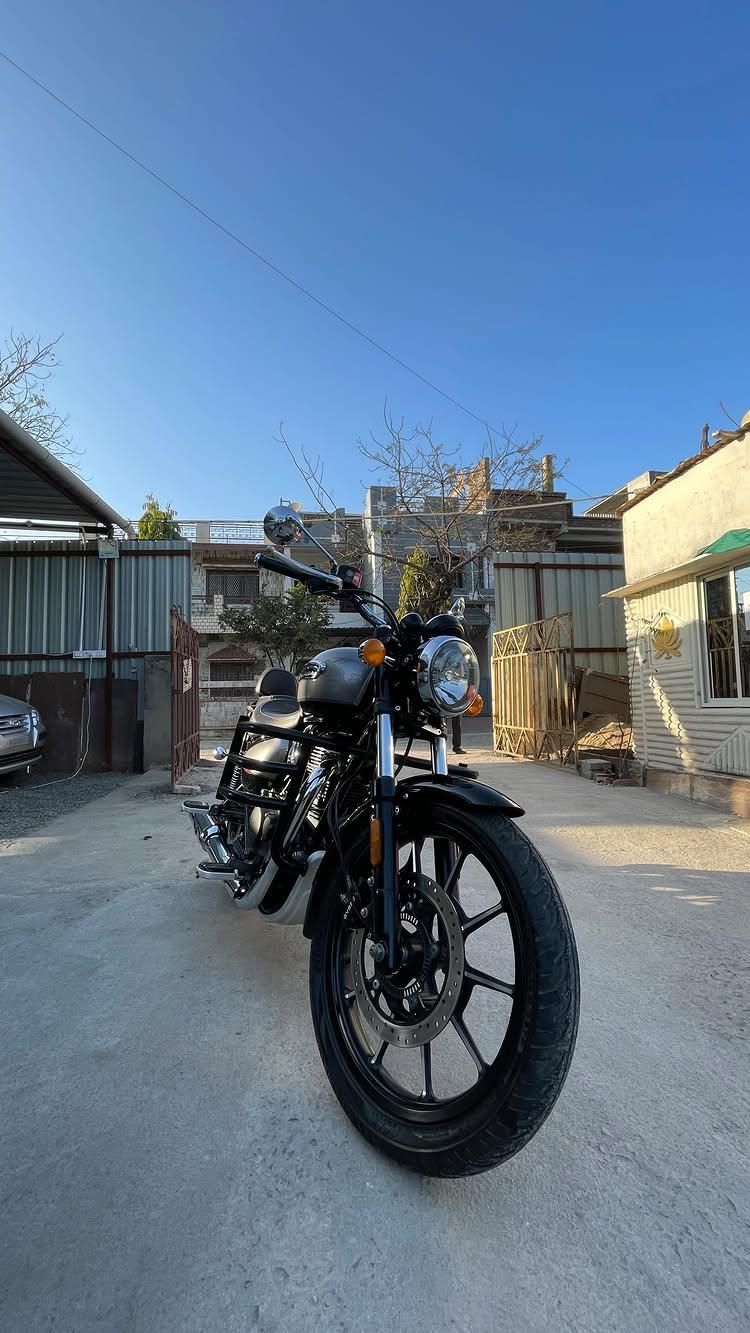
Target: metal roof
38, 491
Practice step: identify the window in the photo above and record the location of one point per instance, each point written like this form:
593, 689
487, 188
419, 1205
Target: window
728, 634
232, 670
238, 587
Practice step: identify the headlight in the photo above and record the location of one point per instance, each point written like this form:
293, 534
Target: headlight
447, 674
35, 717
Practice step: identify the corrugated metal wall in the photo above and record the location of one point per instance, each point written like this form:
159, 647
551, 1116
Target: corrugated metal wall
563, 582
52, 601
672, 727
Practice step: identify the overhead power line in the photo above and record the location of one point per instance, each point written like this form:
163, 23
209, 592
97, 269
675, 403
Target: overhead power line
232, 236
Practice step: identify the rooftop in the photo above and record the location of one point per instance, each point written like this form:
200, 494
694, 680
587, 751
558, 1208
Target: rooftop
39, 494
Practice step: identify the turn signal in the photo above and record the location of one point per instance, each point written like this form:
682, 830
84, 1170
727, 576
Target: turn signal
476, 706
372, 651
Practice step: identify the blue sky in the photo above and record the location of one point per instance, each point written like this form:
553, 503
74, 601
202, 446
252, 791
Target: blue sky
542, 207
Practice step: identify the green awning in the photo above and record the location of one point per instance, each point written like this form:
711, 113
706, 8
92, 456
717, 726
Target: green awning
731, 541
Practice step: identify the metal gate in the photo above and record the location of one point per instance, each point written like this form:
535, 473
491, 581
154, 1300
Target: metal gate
185, 697
533, 705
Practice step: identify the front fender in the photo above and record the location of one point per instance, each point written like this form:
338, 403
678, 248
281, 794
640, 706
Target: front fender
427, 788
464, 791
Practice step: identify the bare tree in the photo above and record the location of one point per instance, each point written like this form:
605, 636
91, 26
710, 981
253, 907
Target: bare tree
457, 506
26, 365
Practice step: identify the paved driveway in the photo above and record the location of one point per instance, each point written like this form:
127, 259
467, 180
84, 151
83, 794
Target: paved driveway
174, 1160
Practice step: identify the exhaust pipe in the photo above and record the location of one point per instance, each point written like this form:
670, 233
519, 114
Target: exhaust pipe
209, 836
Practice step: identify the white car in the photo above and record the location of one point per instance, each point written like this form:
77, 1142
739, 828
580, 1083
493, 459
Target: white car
22, 735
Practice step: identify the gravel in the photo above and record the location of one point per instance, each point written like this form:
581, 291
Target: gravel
33, 802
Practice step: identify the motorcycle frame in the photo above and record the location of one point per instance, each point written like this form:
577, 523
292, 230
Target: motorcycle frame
236, 802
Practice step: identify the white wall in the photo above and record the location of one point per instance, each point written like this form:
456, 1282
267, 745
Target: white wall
672, 726
678, 520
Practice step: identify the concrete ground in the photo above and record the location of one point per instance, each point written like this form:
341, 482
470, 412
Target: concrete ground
173, 1158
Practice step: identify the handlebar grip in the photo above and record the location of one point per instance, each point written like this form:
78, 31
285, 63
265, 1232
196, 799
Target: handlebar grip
316, 579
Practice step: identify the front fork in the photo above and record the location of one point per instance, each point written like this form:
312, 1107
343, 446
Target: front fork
383, 854
383, 837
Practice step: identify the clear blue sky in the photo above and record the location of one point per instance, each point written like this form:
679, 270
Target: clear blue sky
543, 207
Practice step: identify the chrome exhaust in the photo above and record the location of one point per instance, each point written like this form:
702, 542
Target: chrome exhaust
208, 835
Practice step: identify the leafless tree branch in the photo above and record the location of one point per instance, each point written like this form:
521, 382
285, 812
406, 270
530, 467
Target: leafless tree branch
26, 365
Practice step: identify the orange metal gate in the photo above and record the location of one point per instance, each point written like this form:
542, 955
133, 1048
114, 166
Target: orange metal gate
185, 697
533, 704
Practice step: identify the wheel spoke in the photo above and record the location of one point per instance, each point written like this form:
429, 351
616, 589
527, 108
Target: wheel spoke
376, 1060
472, 923
473, 977
452, 880
469, 1043
416, 856
428, 1094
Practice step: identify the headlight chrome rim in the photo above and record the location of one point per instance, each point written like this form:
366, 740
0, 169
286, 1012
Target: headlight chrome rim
429, 655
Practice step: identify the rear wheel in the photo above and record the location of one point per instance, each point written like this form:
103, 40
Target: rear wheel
453, 1063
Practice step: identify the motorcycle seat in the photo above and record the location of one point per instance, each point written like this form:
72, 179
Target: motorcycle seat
274, 680
278, 710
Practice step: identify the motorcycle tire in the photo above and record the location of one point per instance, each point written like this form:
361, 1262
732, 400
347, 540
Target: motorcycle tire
520, 1086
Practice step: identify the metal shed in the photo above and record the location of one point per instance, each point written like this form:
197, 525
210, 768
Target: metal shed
85, 629
534, 585
102, 616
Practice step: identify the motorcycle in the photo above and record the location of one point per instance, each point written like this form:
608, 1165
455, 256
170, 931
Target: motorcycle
443, 971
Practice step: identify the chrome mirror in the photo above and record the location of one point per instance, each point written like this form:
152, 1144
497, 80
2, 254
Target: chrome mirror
459, 608
282, 525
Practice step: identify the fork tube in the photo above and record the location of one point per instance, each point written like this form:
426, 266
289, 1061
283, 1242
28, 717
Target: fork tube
440, 756
445, 852
386, 908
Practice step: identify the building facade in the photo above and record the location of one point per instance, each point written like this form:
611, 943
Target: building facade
380, 540
225, 575
687, 613
544, 524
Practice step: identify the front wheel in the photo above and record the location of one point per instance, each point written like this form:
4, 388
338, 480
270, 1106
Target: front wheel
453, 1063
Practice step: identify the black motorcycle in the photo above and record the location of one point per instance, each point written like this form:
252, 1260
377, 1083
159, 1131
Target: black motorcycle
443, 968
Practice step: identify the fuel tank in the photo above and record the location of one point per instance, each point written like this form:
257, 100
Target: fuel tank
335, 678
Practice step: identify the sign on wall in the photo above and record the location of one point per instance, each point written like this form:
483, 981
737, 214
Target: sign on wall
666, 638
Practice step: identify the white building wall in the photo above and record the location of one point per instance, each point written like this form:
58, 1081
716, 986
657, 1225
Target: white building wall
678, 520
673, 728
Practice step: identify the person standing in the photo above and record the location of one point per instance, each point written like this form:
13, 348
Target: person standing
456, 728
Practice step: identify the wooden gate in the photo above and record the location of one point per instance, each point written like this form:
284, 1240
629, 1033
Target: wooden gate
185, 697
533, 706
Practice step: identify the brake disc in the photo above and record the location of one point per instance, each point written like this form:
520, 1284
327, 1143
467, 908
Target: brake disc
427, 1025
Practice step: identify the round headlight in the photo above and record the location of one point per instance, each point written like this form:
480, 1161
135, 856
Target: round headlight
447, 674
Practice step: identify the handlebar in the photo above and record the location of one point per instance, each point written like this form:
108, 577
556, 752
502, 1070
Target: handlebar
316, 579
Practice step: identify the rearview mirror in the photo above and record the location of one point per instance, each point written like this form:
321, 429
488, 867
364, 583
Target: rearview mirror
282, 525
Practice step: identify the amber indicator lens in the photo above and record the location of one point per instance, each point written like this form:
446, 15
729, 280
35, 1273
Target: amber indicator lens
372, 651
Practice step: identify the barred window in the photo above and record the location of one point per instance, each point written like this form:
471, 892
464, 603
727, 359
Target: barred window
728, 634
232, 670
236, 586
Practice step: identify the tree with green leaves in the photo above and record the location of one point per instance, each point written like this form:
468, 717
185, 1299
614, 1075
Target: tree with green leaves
424, 587
157, 524
288, 629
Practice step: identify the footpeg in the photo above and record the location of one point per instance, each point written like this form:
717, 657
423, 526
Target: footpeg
225, 869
